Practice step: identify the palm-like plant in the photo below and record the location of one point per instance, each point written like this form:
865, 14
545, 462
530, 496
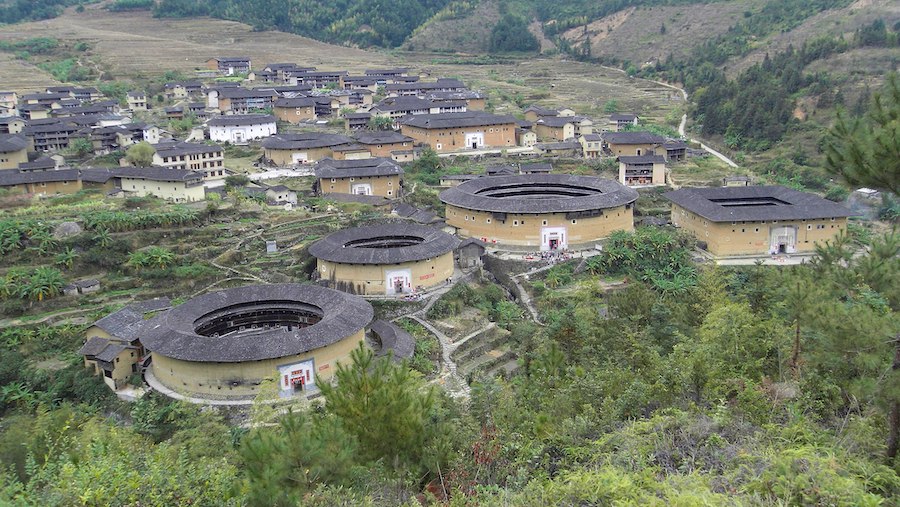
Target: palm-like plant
44, 283
103, 238
66, 258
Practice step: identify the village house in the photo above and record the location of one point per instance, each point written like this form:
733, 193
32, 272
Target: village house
591, 145
295, 110
618, 122
368, 177
570, 148
183, 89
633, 143
9, 100
357, 121
756, 220
174, 185
34, 111
320, 79
13, 150
237, 100
641, 170
208, 160
554, 128
54, 135
353, 151
41, 182
229, 66
294, 149
421, 88
137, 101
398, 107
449, 132
12, 125
238, 129
676, 150
384, 144
475, 101
535, 113
452, 180
536, 168
80, 93
113, 348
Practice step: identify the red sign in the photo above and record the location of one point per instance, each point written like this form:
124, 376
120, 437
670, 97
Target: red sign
426, 277
324, 367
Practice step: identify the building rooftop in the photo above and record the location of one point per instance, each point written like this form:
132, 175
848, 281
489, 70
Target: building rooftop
184, 332
127, 323
755, 203
642, 159
383, 244
386, 137
632, 138
538, 193
329, 168
455, 120
12, 142
394, 340
239, 120
304, 141
178, 148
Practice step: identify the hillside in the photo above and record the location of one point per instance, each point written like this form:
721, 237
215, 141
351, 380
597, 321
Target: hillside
467, 32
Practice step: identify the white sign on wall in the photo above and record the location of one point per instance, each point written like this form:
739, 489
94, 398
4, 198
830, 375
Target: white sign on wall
296, 377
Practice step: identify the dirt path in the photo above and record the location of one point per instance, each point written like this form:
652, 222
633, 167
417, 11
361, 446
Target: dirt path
683, 124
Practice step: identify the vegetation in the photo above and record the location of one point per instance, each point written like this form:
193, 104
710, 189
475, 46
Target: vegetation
140, 154
30, 10
348, 21
511, 34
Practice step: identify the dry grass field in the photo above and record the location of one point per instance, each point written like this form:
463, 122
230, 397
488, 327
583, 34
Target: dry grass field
18, 76
135, 45
635, 34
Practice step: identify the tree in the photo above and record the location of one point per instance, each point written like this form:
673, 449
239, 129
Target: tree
305, 450
236, 180
511, 34
384, 405
140, 154
81, 147
380, 123
866, 151
66, 258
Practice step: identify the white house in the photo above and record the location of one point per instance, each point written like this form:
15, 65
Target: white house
240, 128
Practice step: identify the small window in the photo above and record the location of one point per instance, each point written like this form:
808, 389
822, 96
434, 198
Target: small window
488, 221
574, 221
543, 222
515, 222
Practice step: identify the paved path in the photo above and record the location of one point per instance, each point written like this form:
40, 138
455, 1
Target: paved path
455, 385
683, 123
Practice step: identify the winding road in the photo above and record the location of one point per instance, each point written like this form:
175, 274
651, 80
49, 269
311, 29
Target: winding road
683, 124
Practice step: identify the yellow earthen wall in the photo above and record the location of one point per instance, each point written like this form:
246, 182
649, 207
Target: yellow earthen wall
381, 185
753, 238
216, 378
481, 224
370, 279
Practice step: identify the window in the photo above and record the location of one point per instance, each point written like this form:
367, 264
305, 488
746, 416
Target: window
515, 222
487, 221
543, 222
575, 221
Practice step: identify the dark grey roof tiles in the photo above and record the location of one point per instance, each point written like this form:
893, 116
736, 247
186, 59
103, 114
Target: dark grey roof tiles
93, 346
236, 120
642, 159
755, 203
304, 141
455, 120
538, 193
427, 243
632, 138
394, 340
127, 324
12, 142
329, 168
172, 334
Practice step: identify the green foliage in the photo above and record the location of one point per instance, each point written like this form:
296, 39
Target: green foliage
348, 21
131, 5
236, 180
152, 257
511, 34
32, 10
118, 221
37, 45
661, 130
67, 70
302, 453
659, 257
384, 407
36, 284
865, 151
81, 147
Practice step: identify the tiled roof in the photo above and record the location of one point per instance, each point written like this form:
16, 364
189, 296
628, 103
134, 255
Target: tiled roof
454, 120
632, 138
304, 141
172, 333
755, 203
539, 193
339, 246
329, 168
236, 120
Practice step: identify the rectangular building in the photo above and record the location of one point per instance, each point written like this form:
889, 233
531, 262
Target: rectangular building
472, 130
756, 220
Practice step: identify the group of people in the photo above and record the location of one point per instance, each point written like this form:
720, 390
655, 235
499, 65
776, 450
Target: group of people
549, 256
